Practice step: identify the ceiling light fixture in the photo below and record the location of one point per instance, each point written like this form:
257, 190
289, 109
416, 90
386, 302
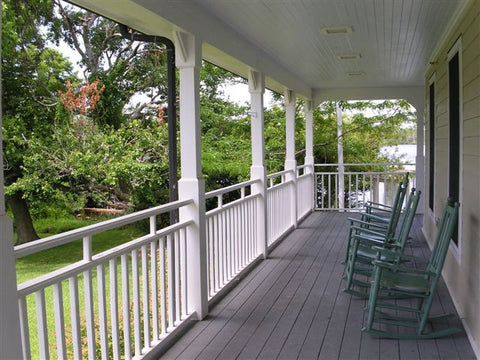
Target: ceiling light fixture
355, 73
349, 56
335, 30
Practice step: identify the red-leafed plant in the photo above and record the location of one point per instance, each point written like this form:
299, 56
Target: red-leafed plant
83, 100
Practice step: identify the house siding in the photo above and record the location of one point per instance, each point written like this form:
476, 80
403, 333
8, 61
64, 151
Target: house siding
462, 265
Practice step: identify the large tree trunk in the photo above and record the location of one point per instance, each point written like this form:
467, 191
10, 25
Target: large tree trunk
23, 221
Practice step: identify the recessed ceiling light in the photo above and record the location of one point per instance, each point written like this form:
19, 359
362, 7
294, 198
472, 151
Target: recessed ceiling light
334, 30
349, 56
355, 73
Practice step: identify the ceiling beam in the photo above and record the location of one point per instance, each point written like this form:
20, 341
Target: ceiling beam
414, 95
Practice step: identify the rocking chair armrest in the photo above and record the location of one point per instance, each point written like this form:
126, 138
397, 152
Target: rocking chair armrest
401, 257
363, 222
391, 245
366, 231
377, 204
387, 252
403, 269
375, 217
378, 209
368, 241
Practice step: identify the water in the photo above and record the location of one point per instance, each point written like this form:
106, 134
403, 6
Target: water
405, 152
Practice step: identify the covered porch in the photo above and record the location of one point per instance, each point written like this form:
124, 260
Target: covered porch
291, 306
260, 276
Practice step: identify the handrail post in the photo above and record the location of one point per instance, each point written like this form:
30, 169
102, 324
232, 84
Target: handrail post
256, 87
309, 157
290, 160
192, 184
10, 335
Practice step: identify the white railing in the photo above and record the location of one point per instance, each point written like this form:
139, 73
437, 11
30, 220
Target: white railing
377, 185
123, 302
231, 235
280, 210
126, 310
304, 195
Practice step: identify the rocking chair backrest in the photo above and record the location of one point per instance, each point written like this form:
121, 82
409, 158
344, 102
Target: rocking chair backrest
445, 231
397, 207
408, 217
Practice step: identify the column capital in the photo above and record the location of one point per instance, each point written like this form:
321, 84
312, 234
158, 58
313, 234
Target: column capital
188, 50
309, 106
290, 97
256, 82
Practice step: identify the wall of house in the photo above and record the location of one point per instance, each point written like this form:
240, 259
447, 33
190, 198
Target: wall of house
462, 266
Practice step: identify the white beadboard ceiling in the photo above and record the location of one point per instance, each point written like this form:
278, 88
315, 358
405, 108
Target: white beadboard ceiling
282, 37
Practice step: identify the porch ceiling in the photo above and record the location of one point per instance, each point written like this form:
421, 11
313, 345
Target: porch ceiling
395, 38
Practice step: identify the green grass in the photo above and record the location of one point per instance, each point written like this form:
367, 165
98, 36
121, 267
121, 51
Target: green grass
41, 263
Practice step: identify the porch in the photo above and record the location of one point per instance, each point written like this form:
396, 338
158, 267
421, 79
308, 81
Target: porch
139, 297
291, 306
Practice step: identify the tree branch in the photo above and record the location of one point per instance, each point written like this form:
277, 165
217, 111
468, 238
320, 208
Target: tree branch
71, 28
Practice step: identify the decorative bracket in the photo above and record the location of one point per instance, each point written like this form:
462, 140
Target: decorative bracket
254, 79
289, 96
309, 105
180, 37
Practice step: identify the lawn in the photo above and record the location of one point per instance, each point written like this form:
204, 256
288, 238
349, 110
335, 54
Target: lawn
46, 261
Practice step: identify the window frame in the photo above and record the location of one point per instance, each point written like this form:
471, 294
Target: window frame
454, 50
432, 124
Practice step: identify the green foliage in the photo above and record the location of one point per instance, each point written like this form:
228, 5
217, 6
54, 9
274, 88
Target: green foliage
389, 122
116, 155
31, 77
66, 170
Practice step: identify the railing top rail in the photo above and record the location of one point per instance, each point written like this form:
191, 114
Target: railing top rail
230, 188
368, 164
279, 173
280, 185
300, 167
303, 176
72, 235
399, 172
232, 204
63, 273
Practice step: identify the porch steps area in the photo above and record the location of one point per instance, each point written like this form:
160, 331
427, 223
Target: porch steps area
291, 306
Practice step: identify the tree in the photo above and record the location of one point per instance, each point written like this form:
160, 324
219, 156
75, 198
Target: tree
32, 74
389, 122
126, 68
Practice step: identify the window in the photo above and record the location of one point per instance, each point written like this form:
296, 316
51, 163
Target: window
431, 147
455, 145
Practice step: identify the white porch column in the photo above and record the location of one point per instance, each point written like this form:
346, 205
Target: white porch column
290, 162
192, 184
309, 158
10, 338
341, 167
420, 158
256, 87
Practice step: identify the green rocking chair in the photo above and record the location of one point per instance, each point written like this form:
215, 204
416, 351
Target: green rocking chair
393, 280
383, 210
362, 252
386, 226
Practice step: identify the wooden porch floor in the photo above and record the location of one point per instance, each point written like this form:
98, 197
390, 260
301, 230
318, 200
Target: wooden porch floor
291, 306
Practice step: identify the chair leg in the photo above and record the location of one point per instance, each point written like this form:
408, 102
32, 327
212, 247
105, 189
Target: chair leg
372, 300
350, 266
349, 243
425, 312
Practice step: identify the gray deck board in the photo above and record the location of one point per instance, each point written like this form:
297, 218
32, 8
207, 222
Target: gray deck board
291, 306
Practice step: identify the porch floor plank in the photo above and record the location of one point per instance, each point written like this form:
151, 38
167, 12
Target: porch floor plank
291, 306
